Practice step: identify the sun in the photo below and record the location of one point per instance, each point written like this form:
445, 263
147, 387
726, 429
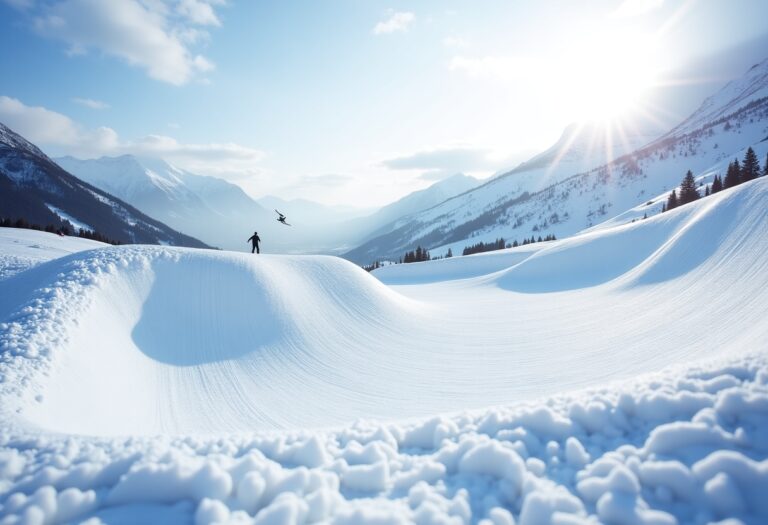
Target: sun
612, 74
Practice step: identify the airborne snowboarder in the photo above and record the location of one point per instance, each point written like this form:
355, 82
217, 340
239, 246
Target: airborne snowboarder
281, 218
254, 239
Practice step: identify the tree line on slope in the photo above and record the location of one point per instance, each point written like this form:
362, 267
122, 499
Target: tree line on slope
421, 254
736, 174
66, 230
499, 244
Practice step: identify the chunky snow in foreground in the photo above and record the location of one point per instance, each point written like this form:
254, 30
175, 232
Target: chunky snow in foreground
687, 446
275, 389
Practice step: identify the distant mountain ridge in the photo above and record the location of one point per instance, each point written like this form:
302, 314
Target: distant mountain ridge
310, 212
554, 200
211, 209
34, 187
583, 146
390, 216
751, 88
222, 214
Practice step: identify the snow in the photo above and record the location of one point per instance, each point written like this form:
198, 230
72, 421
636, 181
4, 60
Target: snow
12, 140
619, 376
22, 249
566, 197
480, 471
78, 225
752, 87
127, 177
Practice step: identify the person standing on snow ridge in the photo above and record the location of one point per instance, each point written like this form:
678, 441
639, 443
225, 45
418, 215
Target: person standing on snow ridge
254, 239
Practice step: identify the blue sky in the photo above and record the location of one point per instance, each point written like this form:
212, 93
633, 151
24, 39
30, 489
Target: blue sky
353, 101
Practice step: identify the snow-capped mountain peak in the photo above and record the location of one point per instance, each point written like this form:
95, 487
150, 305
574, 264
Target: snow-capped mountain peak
12, 140
129, 177
36, 189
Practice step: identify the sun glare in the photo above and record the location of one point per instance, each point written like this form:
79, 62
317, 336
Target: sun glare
612, 74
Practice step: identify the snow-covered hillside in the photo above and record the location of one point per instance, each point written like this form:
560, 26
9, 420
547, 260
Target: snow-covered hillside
657, 329
36, 189
22, 249
584, 146
562, 201
750, 89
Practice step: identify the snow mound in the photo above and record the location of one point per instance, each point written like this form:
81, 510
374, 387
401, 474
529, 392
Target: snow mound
726, 230
150, 340
187, 340
144, 340
23, 249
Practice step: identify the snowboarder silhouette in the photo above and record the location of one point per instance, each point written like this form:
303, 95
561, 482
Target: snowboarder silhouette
254, 239
281, 218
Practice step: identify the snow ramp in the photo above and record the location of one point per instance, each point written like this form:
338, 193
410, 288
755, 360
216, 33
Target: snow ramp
149, 339
158, 340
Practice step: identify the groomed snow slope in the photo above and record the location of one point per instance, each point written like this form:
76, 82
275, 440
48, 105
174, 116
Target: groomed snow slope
684, 445
127, 340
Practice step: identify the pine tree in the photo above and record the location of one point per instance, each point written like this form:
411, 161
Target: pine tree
728, 181
663, 207
706, 191
765, 167
672, 200
750, 169
733, 176
717, 184
449, 254
688, 191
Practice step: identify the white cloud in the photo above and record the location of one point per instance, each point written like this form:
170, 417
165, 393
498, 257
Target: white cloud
440, 163
455, 42
324, 181
38, 124
44, 127
459, 158
630, 8
504, 67
223, 159
90, 103
145, 33
396, 22
198, 12
19, 4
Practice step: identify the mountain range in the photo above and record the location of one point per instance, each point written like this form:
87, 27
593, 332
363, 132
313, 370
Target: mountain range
35, 188
223, 215
558, 194
592, 174
212, 209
